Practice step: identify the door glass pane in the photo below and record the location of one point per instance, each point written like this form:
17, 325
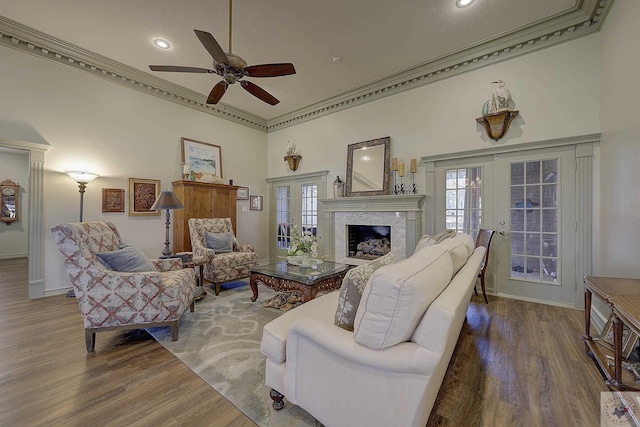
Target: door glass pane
309, 209
283, 214
463, 201
534, 220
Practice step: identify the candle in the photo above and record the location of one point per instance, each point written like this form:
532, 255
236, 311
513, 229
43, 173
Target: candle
413, 165
394, 164
401, 168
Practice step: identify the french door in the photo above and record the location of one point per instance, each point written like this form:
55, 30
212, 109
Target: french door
295, 203
536, 225
529, 198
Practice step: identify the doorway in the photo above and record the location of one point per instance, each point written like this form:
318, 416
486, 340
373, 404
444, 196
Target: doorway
538, 202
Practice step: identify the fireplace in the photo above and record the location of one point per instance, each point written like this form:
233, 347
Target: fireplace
368, 241
397, 218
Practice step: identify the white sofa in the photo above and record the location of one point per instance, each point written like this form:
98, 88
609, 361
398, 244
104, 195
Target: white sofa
389, 370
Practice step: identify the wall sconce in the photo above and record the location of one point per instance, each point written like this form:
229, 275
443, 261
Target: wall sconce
82, 178
497, 124
167, 200
293, 157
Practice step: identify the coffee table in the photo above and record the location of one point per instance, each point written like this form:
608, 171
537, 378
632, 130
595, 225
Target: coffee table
309, 281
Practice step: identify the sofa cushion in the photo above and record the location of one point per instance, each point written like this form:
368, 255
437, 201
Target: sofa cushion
274, 333
468, 241
352, 287
222, 243
127, 259
425, 241
458, 252
397, 296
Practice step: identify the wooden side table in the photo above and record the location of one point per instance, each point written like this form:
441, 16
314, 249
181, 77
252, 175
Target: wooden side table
623, 296
193, 263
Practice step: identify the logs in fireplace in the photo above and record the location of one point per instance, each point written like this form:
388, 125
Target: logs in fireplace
368, 241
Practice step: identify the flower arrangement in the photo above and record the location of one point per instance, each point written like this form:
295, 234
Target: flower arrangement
292, 150
303, 243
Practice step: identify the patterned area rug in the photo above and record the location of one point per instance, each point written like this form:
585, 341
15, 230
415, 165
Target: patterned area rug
220, 342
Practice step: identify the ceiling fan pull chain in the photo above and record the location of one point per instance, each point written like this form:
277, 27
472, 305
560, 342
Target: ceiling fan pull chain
230, 13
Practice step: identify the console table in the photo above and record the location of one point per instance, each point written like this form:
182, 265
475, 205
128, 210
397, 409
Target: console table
623, 296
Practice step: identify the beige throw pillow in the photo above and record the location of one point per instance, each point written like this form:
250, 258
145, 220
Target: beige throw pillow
352, 287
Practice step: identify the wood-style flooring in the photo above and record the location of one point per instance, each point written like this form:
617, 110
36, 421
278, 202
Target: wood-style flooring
516, 363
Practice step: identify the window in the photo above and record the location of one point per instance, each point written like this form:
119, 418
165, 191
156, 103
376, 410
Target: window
534, 220
463, 200
283, 215
309, 210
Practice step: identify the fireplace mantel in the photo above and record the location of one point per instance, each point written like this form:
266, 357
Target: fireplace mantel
391, 203
402, 212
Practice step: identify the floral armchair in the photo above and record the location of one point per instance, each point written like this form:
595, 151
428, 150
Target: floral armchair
222, 267
111, 299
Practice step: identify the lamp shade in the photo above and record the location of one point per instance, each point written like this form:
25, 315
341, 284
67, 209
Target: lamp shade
82, 177
167, 200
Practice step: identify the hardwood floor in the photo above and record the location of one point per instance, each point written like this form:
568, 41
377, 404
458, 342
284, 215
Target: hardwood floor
516, 363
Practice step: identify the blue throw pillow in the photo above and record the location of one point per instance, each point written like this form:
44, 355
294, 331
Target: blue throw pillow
127, 259
222, 243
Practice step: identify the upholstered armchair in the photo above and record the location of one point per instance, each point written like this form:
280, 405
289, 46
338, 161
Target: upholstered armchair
232, 262
111, 299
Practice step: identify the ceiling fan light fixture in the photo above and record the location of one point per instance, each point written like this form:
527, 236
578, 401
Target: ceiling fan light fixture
161, 43
463, 3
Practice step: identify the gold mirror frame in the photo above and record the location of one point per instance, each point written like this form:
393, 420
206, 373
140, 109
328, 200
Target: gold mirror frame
378, 182
9, 201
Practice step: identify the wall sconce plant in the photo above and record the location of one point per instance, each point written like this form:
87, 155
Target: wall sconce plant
496, 114
293, 157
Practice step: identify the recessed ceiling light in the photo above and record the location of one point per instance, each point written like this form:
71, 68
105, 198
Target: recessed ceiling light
336, 59
162, 44
463, 3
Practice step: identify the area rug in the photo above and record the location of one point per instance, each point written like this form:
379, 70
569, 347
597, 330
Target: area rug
220, 342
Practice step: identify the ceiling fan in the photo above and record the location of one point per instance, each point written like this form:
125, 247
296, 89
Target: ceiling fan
232, 69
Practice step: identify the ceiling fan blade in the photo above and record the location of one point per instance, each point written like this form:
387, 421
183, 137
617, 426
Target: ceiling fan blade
258, 92
180, 69
216, 93
212, 47
270, 70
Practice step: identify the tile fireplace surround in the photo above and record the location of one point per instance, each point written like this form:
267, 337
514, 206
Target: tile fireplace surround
403, 213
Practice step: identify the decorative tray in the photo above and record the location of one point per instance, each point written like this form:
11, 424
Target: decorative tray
297, 260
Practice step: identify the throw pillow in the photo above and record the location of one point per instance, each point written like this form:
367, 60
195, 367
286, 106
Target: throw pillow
352, 287
458, 251
397, 296
424, 241
222, 243
127, 259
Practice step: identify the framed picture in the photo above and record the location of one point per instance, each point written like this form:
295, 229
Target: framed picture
629, 338
242, 193
255, 204
142, 195
205, 160
112, 200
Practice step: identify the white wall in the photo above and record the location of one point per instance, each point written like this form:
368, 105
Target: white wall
92, 124
620, 148
556, 91
14, 240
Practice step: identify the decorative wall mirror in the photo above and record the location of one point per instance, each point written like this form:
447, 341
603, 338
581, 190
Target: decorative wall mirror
9, 196
368, 168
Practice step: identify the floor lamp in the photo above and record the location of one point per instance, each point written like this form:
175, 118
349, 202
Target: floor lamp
82, 178
167, 200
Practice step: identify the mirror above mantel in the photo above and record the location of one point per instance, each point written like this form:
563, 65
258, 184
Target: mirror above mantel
368, 168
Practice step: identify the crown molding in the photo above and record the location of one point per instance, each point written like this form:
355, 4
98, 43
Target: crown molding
29, 40
584, 19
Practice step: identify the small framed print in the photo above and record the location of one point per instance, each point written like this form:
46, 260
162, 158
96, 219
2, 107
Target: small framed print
242, 193
204, 159
112, 200
255, 203
142, 195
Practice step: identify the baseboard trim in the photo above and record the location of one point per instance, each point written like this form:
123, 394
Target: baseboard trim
557, 304
11, 256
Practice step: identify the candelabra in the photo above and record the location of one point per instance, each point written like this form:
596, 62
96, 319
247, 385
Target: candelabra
414, 187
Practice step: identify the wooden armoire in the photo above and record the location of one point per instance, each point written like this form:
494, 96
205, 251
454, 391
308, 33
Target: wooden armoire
200, 200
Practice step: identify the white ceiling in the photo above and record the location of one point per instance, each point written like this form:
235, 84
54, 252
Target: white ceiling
375, 38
